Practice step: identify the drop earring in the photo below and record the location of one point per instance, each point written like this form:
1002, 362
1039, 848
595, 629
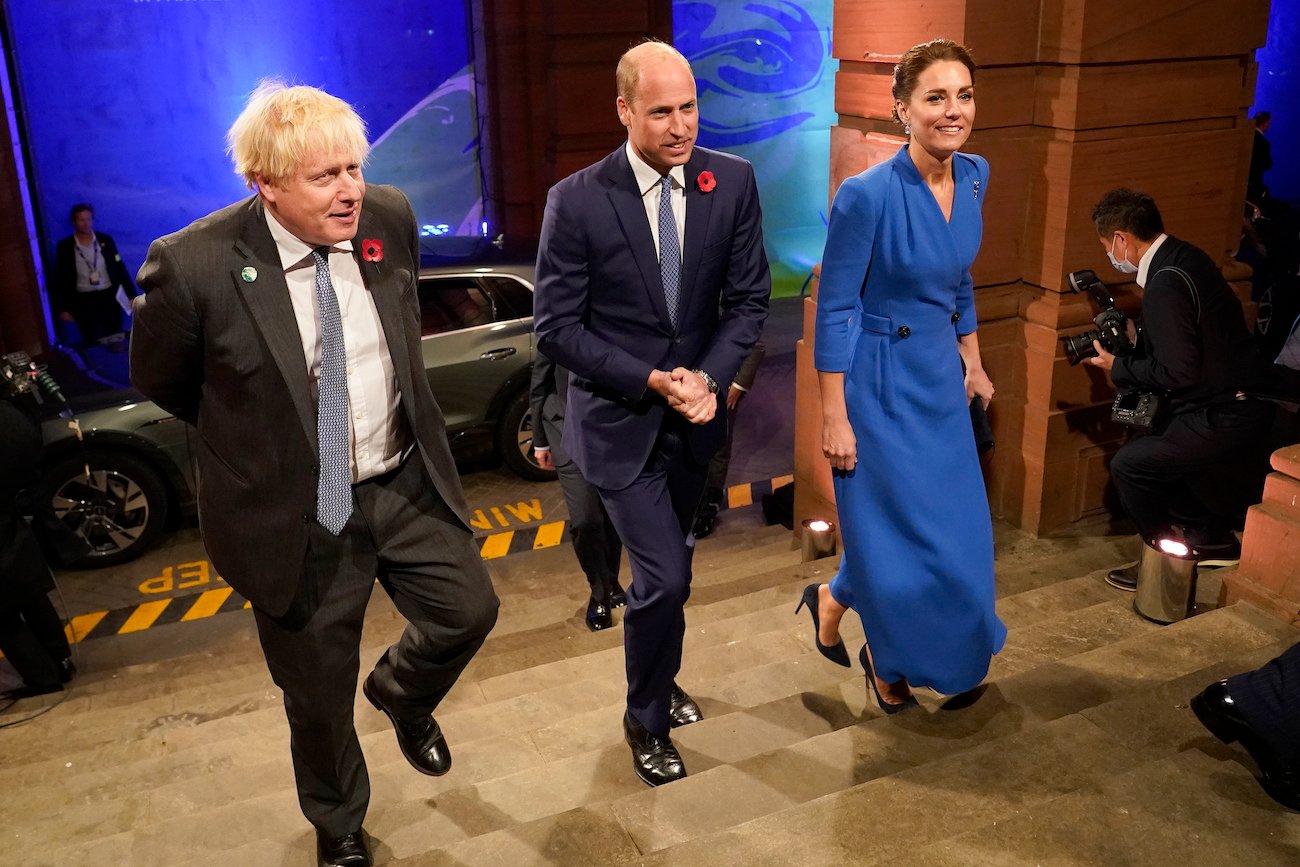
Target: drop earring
907, 129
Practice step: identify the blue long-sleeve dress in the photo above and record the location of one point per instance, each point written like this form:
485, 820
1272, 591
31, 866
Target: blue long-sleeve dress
895, 294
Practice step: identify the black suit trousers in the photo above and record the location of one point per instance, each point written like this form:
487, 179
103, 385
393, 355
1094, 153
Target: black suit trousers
653, 516
403, 533
595, 541
1269, 698
1201, 470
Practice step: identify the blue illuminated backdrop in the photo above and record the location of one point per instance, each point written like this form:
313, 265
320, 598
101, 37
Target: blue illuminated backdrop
767, 92
126, 102
1275, 92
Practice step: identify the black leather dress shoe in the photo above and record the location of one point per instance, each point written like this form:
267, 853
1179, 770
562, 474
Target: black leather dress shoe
654, 758
704, 522
683, 710
1124, 578
598, 616
67, 670
617, 598
346, 851
420, 739
1217, 711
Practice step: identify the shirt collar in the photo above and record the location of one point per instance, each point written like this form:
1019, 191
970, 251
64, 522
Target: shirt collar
1144, 264
647, 177
292, 249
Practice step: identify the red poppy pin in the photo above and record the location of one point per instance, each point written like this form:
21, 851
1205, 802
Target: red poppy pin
706, 182
372, 250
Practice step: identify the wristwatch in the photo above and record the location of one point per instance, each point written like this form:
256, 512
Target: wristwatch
708, 380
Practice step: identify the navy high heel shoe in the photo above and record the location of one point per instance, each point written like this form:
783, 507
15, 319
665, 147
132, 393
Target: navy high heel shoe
871, 682
836, 653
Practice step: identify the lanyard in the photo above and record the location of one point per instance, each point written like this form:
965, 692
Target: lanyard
94, 245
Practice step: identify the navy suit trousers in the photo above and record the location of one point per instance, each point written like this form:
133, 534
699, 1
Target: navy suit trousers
653, 516
1269, 699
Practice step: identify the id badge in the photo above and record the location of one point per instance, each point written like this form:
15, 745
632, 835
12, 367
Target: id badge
93, 279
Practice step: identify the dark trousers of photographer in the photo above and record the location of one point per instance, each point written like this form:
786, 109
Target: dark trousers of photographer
1201, 470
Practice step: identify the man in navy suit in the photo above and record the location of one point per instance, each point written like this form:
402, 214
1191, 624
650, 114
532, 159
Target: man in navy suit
652, 287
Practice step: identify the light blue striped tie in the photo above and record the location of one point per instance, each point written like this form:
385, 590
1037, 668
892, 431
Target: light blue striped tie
670, 253
334, 485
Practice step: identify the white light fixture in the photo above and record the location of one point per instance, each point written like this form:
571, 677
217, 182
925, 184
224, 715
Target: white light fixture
818, 539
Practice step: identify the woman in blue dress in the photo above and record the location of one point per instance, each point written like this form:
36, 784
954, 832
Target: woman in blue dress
895, 326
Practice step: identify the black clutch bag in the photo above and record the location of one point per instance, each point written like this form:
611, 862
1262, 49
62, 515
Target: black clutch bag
979, 422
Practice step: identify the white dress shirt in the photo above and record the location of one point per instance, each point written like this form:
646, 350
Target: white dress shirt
378, 432
1144, 264
647, 180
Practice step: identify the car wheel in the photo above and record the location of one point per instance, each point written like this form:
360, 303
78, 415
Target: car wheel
514, 440
120, 509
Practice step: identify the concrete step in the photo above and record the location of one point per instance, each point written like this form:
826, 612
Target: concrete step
585, 756
837, 764
192, 726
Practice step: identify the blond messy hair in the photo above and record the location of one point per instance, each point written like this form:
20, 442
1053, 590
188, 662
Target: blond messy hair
628, 74
281, 124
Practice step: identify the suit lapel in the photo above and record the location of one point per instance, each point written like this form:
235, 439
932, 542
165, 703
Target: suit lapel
385, 282
630, 208
698, 207
259, 279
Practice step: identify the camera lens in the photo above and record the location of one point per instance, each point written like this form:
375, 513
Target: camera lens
1079, 346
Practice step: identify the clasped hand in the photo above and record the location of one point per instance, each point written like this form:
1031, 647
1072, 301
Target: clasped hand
687, 393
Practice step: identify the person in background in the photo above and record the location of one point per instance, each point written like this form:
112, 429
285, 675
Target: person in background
715, 487
31, 631
1204, 463
595, 540
88, 275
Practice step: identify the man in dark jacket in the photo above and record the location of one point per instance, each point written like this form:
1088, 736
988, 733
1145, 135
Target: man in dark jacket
31, 632
88, 274
1194, 348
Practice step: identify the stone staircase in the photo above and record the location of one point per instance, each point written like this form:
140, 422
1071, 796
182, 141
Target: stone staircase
1080, 751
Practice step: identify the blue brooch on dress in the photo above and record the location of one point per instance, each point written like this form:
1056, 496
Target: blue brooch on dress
977, 190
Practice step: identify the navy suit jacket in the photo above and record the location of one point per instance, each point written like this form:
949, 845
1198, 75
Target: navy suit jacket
599, 307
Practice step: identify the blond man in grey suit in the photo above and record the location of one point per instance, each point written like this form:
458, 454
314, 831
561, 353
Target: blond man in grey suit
285, 328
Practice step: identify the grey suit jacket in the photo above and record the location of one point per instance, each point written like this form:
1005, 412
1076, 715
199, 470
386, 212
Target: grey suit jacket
222, 352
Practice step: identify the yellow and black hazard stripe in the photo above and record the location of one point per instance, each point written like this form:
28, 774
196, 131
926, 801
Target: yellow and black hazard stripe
155, 612
198, 606
549, 535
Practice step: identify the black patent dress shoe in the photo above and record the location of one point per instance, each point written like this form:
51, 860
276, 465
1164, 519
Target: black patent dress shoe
654, 758
682, 709
346, 851
1217, 711
617, 596
420, 739
704, 522
1124, 578
598, 616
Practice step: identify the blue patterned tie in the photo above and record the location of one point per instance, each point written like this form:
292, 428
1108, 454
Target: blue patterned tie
334, 486
670, 254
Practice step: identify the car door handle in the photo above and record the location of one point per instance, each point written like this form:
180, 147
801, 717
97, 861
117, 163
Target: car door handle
498, 354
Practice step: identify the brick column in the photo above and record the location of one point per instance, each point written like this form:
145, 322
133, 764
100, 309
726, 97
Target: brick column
1269, 574
1074, 97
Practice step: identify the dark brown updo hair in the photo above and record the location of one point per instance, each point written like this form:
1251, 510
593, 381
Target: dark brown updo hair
918, 59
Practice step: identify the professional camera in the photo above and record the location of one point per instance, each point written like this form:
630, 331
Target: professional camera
21, 377
1112, 324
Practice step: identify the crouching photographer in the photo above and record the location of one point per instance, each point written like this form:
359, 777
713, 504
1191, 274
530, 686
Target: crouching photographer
1198, 454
